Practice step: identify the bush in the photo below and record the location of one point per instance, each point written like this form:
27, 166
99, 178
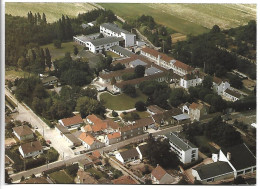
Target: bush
140, 106
114, 113
72, 169
57, 44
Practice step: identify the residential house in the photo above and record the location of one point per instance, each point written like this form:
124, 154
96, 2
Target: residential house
23, 133
154, 109
84, 177
166, 118
228, 163
85, 164
70, 138
232, 95
31, 149
90, 142
124, 180
112, 138
185, 150
192, 79
219, 86
49, 80
198, 110
185, 108
72, 122
142, 150
127, 156
110, 29
160, 176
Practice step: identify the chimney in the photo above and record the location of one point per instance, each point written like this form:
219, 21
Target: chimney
229, 156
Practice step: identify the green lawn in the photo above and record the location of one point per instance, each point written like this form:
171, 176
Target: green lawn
53, 10
12, 73
94, 171
65, 47
122, 101
130, 11
61, 177
113, 55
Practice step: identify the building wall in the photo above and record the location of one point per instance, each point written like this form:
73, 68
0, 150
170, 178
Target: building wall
29, 154
232, 98
132, 133
129, 39
119, 158
25, 137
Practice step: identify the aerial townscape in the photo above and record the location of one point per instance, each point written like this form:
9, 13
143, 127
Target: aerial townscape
106, 93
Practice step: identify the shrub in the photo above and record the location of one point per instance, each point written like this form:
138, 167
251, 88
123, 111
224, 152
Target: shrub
114, 113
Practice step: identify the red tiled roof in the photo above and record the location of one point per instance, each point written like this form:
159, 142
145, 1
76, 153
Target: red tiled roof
183, 66
23, 130
194, 105
156, 53
96, 154
158, 172
124, 180
114, 135
87, 138
94, 119
155, 109
31, 147
72, 121
217, 80
112, 124
138, 123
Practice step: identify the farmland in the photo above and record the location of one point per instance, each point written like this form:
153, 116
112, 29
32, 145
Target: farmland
53, 11
189, 18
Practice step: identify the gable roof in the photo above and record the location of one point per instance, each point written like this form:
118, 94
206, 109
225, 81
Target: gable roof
217, 80
155, 109
122, 50
72, 121
94, 119
155, 53
114, 135
233, 93
87, 138
183, 144
124, 180
31, 147
213, 169
158, 172
23, 130
241, 156
129, 154
143, 149
96, 154
48, 79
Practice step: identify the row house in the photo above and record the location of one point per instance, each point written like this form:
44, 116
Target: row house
71, 122
112, 138
90, 142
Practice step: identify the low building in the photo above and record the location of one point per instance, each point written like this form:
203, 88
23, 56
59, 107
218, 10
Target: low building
154, 109
84, 39
31, 149
49, 80
192, 79
121, 51
112, 138
185, 150
70, 138
232, 95
110, 29
89, 142
127, 156
23, 133
219, 86
142, 150
85, 164
160, 176
124, 180
198, 110
72, 122
107, 77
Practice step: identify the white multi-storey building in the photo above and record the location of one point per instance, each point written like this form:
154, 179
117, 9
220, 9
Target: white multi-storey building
191, 79
185, 150
109, 29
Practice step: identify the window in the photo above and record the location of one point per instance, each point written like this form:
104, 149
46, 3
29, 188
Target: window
210, 180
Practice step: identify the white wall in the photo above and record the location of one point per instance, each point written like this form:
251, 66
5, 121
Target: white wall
119, 157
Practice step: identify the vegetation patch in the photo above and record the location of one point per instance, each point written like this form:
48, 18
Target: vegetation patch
61, 177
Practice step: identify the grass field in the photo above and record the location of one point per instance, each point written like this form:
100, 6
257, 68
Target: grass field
188, 18
65, 47
61, 177
112, 54
122, 101
11, 73
53, 11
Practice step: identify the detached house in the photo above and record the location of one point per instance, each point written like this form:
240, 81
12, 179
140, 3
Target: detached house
160, 176
90, 142
49, 80
219, 85
198, 110
127, 156
30, 149
23, 133
72, 122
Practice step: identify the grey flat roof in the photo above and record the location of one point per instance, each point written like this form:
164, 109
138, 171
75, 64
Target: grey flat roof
62, 129
213, 170
122, 50
152, 70
114, 28
48, 79
181, 117
73, 139
86, 38
179, 142
105, 40
138, 62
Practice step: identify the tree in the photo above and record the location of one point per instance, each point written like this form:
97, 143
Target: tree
114, 113
129, 90
178, 96
239, 180
33, 176
22, 62
215, 29
22, 179
48, 58
75, 50
235, 81
140, 106
57, 44
207, 82
38, 105
7, 177
139, 71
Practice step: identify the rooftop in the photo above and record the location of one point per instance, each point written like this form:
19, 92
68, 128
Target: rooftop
23, 130
233, 93
181, 143
72, 121
73, 139
181, 117
87, 138
31, 147
105, 40
114, 135
217, 80
155, 53
116, 73
158, 172
129, 154
62, 129
138, 123
87, 38
122, 50
213, 169
137, 62
155, 109
48, 79
152, 71
114, 28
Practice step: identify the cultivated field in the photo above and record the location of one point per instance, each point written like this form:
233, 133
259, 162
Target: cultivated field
189, 18
53, 11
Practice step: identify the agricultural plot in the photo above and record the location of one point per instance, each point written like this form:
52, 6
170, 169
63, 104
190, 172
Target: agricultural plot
53, 11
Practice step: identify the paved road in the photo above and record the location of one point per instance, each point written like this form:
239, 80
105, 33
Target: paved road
26, 114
